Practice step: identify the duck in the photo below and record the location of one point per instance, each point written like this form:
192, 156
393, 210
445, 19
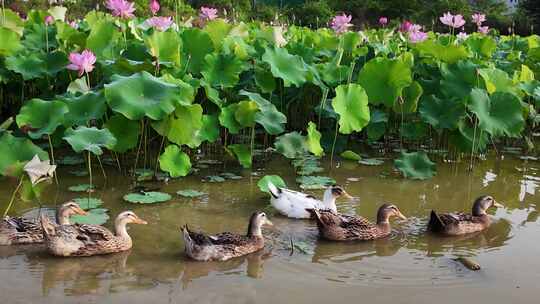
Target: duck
452, 224
20, 231
226, 245
339, 227
89, 240
293, 204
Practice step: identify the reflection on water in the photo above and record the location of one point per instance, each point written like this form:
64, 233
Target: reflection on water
295, 258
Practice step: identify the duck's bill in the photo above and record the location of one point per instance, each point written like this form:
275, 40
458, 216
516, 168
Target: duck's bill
269, 223
498, 205
401, 216
347, 195
140, 221
80, 211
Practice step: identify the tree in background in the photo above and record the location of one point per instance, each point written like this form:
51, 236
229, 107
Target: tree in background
529, 10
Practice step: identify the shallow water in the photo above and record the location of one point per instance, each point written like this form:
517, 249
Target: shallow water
409, 267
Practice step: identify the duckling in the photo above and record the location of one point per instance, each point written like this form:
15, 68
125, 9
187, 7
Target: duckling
88, 240
294, 204
226, 245
338, 227
18, 230
462, 223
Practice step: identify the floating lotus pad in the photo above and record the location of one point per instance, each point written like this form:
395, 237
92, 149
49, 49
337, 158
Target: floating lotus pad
350, 155
87, 203
147, 197
315, 182
94, 217
415, 165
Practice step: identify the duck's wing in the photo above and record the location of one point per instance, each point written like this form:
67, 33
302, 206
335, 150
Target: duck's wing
229, 238
90, 234
21, 224
198, 238
357, 227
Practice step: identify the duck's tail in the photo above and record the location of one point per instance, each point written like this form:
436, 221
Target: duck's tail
49, 228
274, 191
314, 214
435, 223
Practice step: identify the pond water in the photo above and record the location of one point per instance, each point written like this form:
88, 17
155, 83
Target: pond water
408, 267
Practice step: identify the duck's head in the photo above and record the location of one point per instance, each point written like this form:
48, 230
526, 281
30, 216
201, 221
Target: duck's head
386, 211
257, 220
70, 208
337, 191
483, 203
129, 217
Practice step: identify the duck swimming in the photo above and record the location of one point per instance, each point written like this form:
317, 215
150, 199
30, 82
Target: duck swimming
338, 227
19, 231
88, 240
294, 204
462, 223
226, 245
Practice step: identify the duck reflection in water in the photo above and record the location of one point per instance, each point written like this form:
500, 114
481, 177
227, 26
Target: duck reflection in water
354, 251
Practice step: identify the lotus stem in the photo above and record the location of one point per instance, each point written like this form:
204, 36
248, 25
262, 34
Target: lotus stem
139, 146
323, 103
52, 158
90, 173
252, 145
101, 166
158, 154
334, 145
13, 196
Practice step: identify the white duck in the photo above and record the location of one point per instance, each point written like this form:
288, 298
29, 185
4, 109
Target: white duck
294, 204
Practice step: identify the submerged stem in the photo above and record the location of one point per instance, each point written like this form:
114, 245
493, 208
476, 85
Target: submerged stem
52, 157
13, 197
334, 145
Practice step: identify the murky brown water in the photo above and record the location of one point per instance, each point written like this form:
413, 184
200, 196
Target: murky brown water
409, 267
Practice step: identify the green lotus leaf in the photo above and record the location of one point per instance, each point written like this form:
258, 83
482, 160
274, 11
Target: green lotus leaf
228, 120
482, 45
30, 192
196, 45
443, 52
441, 113
315, 182
377, 124
409, 101
36, 33
90, 139
12, 21
291, 145
333, 73
187, 92
147, 197
283, 65
11, 42
185, 125
497, 80
313, 140
351, 103
218, 29
524, 75
164, 46
142, 95
125, 131
103, 39
174, 161
15, 152
272, 120
243, 154
212, 94
245, 113
468, 140
190, 193
87, 203
264, 80
222, 70
384, 79
83, 108
30, 66
371, 161
94, 217
209, 130
41, 116
81, 188
500, 114
274, 179
458, 79
414, 130
415, 165
350, 155
55, 62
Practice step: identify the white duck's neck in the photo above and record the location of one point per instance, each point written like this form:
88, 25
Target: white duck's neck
329, 200
120, 228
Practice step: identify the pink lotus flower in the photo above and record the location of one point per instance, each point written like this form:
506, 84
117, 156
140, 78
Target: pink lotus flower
154, 6
405, 26
478, 19
455, 21
121, 8
49, 20
383, 21
83, 62
415, 28
483, 29
417, 36
74, 24
208, 13
341, 23
462, 36
160, 23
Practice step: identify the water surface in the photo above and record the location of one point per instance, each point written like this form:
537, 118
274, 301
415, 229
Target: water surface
409, 267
